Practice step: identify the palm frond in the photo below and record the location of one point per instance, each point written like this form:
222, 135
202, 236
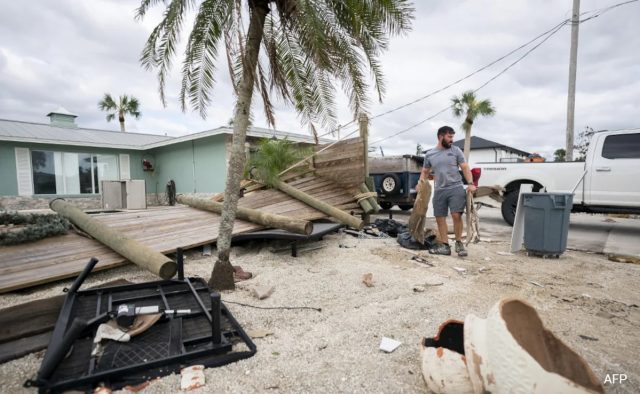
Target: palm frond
107, 103
161, 44
263, 89
198, 69
311, 47
457, 106
485, 108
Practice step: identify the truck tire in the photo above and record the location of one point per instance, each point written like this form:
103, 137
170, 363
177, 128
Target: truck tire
390, 183
508, 207
405, 207
510, 203
385, 205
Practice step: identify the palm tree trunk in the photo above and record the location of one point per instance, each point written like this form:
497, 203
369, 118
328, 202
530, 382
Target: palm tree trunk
121, 119
222, 273
467, 138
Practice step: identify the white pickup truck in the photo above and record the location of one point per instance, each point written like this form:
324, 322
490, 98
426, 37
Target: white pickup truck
608, 181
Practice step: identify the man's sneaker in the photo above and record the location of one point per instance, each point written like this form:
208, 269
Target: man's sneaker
462, 252
441, 249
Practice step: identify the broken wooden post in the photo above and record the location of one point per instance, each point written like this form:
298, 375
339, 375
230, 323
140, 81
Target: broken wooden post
321, 206
364, 203
364, 134
252, 215
419, 212
134, 251
372, 200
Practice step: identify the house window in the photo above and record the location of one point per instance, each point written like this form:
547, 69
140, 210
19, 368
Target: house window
71, 173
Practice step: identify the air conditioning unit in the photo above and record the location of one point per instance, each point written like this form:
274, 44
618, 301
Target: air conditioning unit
130, 194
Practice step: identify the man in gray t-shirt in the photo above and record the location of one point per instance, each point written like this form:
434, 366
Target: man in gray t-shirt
449, 194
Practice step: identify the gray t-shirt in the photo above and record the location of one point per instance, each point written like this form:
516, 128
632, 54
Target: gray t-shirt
444, 165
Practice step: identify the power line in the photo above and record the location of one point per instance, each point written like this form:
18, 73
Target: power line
455, 82
549, 34
604, 10
472, 74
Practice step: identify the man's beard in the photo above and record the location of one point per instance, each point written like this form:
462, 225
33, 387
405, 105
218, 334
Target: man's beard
446, 144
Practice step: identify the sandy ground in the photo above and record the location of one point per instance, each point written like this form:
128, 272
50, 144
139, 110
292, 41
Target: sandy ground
589, 302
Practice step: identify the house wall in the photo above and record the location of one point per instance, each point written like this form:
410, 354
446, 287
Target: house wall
9, 198
196, 166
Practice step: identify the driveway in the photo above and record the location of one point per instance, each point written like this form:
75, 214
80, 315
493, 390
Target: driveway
588, 233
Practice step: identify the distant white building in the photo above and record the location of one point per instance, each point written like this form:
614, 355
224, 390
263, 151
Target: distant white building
485, 151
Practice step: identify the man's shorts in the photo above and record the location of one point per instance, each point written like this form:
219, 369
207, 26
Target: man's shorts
453, 199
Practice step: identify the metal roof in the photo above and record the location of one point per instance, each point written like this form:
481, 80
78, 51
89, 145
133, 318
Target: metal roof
481, 143
13, 130
258, 132
40, 133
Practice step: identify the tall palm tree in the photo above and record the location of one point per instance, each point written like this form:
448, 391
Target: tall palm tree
125, 106
308, 46
468, 106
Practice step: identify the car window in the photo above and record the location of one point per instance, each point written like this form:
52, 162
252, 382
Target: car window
624, 146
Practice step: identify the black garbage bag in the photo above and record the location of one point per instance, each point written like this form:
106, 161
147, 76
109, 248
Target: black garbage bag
406, 240
390, 226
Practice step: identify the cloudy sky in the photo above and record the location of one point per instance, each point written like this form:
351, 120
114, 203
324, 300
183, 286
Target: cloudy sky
70, 52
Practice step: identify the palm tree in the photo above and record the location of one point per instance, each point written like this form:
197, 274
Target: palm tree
308, 46
274, 156
469, 106
125, 106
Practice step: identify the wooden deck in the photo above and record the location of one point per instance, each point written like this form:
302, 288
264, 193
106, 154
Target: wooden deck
162, 228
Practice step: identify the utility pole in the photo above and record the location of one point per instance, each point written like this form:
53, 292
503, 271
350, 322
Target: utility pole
363, 121
573, 64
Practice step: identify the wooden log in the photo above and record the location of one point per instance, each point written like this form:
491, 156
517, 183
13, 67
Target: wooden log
419, 212
372, 200
134, 251
252, 215
320, 205
365, 204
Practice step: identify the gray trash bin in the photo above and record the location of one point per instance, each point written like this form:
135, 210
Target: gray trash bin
546, 222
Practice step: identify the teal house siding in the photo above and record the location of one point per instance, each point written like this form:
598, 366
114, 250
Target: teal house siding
196, 166
211, 164
8, 178
172, 162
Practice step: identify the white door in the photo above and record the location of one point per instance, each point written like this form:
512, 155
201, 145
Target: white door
613, 178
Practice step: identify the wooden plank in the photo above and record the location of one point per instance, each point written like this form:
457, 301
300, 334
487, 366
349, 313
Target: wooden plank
340, 155
21, 347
